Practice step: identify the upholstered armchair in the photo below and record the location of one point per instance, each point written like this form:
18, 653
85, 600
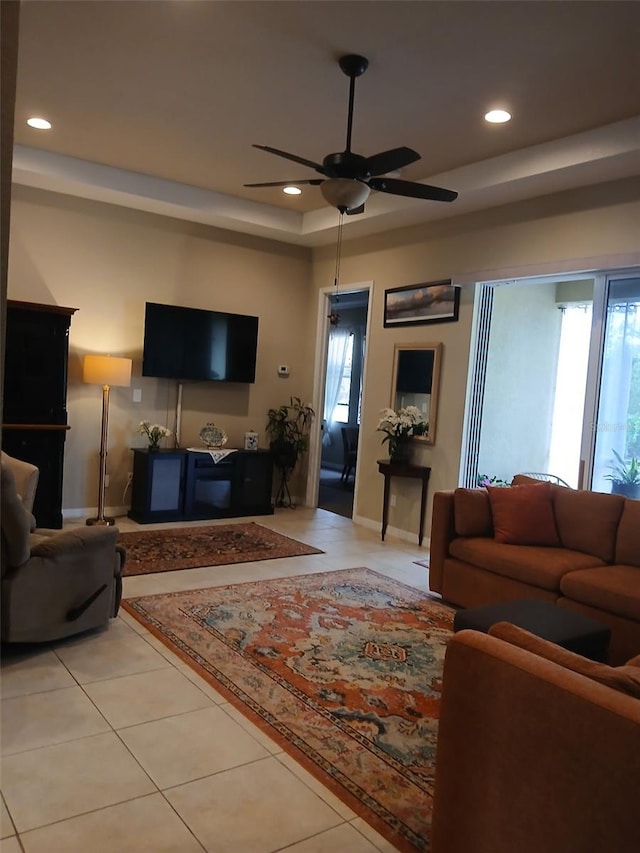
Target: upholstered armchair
54, 583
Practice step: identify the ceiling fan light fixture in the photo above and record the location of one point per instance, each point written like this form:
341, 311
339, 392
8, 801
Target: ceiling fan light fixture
344, 193
497, 116
292, 190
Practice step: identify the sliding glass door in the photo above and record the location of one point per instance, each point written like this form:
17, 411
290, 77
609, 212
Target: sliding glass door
554, 385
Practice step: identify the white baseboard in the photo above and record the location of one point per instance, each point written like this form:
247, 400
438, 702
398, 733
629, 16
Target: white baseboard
92, 512
396, 532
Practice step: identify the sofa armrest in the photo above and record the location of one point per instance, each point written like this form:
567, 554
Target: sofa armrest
532, 757
70, 583
53, 545
441, 534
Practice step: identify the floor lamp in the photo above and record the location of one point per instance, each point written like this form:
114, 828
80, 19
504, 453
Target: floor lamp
106, 371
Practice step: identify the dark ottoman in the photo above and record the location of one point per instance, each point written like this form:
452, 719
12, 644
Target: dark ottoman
570, 630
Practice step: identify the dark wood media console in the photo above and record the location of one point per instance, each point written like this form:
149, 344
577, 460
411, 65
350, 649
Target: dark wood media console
185, 485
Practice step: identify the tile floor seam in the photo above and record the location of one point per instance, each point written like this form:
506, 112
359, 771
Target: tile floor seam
219, 773
95, 810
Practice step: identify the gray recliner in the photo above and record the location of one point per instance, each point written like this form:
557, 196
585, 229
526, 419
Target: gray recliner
27, 476
54, 583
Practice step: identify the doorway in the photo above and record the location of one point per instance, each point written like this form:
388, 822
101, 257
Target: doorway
555, 380
339, 383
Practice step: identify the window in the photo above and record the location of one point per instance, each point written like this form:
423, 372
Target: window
340, 412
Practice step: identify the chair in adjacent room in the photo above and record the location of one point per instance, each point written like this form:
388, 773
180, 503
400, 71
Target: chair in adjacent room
548, 478
350, 451
54, 583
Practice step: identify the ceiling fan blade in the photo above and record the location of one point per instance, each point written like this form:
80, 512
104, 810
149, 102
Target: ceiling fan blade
411, 190
314, 182
293, 157
389, 161
355, 210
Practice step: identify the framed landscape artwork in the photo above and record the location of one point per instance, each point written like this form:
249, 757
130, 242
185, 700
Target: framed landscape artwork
430, 302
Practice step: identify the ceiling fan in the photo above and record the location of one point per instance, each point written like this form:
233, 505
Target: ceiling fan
349, 177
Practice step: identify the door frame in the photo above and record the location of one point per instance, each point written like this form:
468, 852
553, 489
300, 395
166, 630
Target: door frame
319, 379
594, 370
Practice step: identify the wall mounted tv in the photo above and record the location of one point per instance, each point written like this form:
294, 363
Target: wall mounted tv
192, 343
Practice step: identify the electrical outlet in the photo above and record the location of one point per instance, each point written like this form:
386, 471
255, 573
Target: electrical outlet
392, 502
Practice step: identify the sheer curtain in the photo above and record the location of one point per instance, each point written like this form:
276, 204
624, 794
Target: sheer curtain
622, 349
336, 358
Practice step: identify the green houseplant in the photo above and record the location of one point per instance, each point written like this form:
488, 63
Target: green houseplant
625, 476
288, 429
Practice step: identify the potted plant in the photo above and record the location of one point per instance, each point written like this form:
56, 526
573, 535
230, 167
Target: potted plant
625, 476
288, 428
485, 480
154, 433
398, 428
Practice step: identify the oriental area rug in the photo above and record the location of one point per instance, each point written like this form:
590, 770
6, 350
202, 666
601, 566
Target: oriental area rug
166, 550
343, 669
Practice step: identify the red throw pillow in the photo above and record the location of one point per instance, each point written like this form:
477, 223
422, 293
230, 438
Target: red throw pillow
523, 515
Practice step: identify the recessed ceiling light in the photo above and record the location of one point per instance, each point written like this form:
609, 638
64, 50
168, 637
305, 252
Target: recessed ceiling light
39, 123
497, 116
292, 190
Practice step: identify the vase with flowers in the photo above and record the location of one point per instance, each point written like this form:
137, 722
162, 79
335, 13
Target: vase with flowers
154, 433
399, 427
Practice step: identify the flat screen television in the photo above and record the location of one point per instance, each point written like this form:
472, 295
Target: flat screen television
200, 345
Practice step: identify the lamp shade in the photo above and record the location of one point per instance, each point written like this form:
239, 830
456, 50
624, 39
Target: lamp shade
106, 370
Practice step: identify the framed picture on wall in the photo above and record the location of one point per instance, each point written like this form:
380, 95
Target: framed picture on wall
430, 302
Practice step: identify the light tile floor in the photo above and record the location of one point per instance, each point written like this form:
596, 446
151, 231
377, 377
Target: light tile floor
110, 743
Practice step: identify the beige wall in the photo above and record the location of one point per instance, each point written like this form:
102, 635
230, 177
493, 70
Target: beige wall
564, 232
522, 363
106, 261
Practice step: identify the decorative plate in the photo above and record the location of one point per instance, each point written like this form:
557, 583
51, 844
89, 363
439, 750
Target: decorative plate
212, 436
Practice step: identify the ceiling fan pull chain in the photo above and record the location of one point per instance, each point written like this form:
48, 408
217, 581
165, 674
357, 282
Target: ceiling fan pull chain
334, 316
336, 277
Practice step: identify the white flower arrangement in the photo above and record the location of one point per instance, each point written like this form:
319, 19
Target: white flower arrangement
402, 424
154, 432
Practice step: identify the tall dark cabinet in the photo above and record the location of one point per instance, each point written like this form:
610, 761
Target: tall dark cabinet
34, 417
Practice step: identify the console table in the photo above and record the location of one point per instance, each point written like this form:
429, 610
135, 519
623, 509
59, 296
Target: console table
403, 469
183, 485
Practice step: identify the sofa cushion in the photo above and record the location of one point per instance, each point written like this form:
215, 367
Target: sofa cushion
16, 522
472, 512
536, 565
615, 589
624, 678
628, 538
523, 515
588, 521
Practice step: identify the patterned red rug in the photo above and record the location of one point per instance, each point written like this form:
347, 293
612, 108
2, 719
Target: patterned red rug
342, 668
166, 550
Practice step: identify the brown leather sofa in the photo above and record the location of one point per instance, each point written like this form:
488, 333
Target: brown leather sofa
595, 568
538, 749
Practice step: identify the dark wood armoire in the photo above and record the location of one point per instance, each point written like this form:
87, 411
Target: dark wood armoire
34, 417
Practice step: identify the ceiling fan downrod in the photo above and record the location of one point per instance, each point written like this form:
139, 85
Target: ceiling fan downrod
353, 66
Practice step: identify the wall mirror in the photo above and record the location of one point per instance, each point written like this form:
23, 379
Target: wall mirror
416, 379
